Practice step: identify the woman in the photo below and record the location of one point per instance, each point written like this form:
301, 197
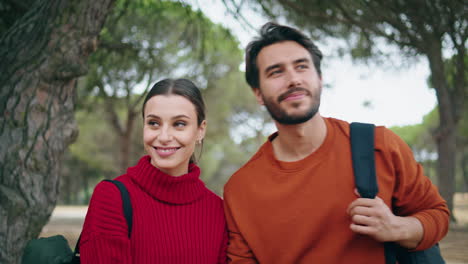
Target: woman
176, 219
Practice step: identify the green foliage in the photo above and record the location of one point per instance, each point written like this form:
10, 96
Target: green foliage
145, 41
410, 134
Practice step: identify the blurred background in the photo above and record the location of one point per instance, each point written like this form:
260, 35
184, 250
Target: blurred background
402, 64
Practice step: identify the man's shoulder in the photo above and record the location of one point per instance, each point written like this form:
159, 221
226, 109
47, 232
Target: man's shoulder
258, 160
387, 139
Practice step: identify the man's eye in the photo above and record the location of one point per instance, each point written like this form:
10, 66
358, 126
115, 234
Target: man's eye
274, 72
302, 66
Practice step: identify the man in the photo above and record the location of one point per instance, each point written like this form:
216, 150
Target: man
295, 200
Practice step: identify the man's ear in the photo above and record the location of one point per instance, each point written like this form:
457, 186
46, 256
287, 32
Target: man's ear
258, 96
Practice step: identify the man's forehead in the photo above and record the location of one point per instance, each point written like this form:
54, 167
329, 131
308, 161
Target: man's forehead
281, 53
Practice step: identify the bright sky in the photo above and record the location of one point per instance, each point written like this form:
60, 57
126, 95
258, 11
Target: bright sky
398, 97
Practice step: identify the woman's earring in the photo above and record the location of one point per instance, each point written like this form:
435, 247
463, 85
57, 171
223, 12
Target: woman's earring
199, 142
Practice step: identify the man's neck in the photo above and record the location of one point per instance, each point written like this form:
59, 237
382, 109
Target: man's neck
295, 142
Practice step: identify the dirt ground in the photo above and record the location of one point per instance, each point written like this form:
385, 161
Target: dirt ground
454, 246
68, 221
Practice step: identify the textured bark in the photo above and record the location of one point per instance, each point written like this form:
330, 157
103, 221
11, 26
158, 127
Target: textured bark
40, 57
445, 136
125, 142
464, 170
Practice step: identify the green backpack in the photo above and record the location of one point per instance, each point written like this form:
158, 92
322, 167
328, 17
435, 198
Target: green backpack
55, 249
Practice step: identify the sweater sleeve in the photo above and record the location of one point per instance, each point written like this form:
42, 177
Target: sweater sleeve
222, 258
104, 238
238, 251
415, 195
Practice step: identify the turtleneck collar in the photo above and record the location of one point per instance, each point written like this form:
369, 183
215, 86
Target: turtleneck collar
182, 189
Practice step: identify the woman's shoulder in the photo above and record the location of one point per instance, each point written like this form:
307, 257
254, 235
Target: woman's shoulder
105, 212
107, 190
212, 201
107, 196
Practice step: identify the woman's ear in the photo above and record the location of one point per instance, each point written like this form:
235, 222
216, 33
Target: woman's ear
201, 131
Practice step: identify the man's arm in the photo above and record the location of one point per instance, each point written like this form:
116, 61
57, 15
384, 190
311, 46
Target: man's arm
416, 202
238, 250
415, 195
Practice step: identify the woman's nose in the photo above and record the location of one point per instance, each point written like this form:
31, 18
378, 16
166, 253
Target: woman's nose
165, 135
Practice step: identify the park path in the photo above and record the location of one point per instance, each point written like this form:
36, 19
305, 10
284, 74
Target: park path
68, 221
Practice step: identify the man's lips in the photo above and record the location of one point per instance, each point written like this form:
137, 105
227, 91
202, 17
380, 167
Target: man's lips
293, 94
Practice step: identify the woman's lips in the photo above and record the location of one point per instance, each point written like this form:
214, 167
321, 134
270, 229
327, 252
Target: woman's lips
166, 152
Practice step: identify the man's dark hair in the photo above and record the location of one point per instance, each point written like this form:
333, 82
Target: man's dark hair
272, 33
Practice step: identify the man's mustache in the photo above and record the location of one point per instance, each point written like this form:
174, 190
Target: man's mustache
292, 90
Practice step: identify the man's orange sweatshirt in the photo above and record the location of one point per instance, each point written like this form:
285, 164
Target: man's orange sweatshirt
295, 212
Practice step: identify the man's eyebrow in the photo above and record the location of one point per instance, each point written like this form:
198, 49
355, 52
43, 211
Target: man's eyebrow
301, 60
278, 65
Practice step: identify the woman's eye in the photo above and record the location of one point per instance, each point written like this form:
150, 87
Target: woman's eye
153, 123
180, 124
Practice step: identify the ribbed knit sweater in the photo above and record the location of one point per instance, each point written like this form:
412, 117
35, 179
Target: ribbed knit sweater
296, 212
175, 220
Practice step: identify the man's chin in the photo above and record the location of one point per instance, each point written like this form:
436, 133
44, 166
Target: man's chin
294, 118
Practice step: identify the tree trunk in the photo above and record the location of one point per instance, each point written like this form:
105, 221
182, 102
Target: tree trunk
464, 171
446, 165
126, 140
86, 189
445, 137
124, 151
40, 58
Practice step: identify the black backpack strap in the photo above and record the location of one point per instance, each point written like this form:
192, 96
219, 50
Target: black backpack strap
128, 214
362, 151
126, 203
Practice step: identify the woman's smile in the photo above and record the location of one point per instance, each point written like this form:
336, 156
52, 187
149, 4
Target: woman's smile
166, 151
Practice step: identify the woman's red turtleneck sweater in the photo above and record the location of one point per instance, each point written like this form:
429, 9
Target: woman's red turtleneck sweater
175, 220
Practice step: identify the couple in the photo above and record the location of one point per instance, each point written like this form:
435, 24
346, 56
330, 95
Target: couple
293, 202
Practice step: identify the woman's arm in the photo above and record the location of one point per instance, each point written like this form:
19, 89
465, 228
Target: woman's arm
104, 238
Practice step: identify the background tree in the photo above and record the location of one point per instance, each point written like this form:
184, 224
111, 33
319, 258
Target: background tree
419, 138
425, 28
89, 159
143, 42
41, 54
147, 41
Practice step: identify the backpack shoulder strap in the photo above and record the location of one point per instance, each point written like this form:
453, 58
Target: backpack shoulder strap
362, 151
126, 203
128, 214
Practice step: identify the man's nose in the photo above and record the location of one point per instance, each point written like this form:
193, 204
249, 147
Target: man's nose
294, 79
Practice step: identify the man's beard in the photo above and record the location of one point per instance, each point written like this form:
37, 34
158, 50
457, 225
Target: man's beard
280, 116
